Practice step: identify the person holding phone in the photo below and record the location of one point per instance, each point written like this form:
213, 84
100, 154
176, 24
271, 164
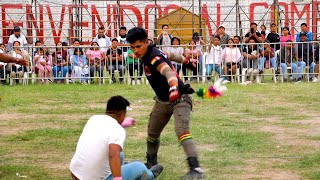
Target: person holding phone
253, 34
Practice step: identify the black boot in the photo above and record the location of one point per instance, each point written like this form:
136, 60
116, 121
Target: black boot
195, 171
152, 159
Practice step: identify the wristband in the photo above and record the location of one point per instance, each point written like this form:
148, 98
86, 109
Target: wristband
117, 178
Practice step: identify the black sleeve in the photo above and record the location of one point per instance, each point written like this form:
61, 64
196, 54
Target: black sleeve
119, 51
108, 52
247, 35
316, 54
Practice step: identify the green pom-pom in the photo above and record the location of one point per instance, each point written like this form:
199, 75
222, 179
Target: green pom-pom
200, 92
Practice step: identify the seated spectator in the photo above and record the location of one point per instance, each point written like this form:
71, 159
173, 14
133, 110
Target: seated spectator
230, 57
274, 37
80, 66
134, 64
316, 59
114, 55
193, 54
285, 36
267, 54
304, 56
70, 53
59, 61
253, 34
214, 59
16, 70
176, 49
38, 45
65, 46
264, 32
96, 59
251, 59
44, 65
304, 30
287, 58
2, 66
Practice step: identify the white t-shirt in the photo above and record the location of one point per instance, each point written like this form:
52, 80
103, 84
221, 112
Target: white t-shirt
104, 43
178, 50
91, 159
214, 55
22, 39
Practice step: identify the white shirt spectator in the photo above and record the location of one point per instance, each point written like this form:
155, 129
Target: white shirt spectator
178, 50
214, 55
22, 39
104, 42
91, 159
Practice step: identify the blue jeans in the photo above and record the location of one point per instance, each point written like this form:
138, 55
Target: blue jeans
262, 61
301, 67
284, 69
177, 67
133, 171
209, 69
57, 69
312, 66
200, 66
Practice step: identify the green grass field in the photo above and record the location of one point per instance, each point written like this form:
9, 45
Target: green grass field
268, 131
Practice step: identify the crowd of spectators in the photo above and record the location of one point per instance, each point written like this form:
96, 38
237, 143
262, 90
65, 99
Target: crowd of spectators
224, 56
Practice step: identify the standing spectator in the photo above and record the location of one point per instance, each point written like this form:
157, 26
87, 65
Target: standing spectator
44, 65
17, 36
80, 66
287, 58
223, 36
214, 58
134, 64
2, 66
16, 69
285, 36
267, 54
274, 37
264, 32
164, 39
237, 41
103, 40
115, 62
193, 54
251, 58
95, 58
305, 31
253, 34
59, 61
200, 43
123, 43
99, 153
305, 56
176, 49
230, 57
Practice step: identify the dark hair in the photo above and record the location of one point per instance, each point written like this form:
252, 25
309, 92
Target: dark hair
253, 23
116, 104
37, 41
75, 40
94, 42
264, 26
164, 26
174, 39
305, 24
287, 28
136, 34
76, 50
288, 40
216, 36
101, 28
15, 42
114, 39
237, 37
57, 45
2, 44
192, 41
266, 41
123, 27
252, 38
273, 24
64, 44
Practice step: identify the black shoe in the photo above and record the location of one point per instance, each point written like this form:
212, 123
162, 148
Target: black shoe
156, 170
298, 80
196, 173
285, 80
261, 72
152, 160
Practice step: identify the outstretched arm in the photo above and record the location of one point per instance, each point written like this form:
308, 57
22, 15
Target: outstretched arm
9, 59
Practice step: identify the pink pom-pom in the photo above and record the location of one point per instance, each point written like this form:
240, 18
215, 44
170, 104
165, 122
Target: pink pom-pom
128, 121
